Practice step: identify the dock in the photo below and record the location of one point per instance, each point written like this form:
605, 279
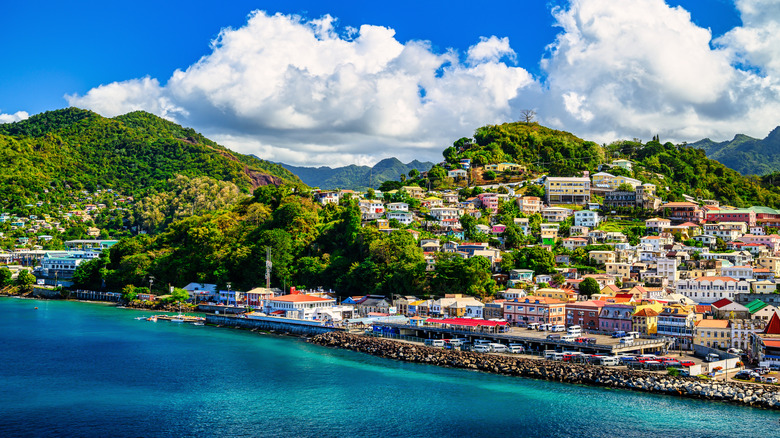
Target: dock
272, 323
530, 340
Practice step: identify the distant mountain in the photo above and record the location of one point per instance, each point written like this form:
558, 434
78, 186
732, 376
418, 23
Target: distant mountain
747, 155
354, 177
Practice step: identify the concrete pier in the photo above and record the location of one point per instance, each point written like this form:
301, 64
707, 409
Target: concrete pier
287, 325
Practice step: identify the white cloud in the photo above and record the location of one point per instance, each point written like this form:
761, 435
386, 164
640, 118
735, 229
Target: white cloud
309, 93
15, 117
299, 90
644, 68
490, 49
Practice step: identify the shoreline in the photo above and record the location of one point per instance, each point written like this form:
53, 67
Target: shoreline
767, 397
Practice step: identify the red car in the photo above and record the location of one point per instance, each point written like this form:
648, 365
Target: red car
687, 363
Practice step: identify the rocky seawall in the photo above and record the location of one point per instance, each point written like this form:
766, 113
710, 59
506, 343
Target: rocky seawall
764, 396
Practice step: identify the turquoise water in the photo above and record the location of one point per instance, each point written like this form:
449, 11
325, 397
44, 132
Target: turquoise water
79, 369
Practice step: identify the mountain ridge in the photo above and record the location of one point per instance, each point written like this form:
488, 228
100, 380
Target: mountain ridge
745, 154
354, 177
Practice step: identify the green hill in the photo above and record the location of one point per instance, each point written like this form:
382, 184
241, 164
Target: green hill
747, 155
354, 177
78, 149
675, 169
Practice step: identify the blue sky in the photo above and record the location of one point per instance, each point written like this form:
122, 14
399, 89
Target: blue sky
600, 69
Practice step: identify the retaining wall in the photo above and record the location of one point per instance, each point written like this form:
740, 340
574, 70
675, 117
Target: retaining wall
271, 323
766, 396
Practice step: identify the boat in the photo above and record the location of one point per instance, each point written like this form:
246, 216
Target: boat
177, 318
140, 318
152, 318
198, 323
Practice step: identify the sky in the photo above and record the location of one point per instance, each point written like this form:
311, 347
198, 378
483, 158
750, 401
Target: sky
352, 82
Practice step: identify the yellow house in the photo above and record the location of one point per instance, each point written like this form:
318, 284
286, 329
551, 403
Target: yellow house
621, 270
603, 257
566, 296
414, 191
714, 333
603, 180
646, 321
567, 190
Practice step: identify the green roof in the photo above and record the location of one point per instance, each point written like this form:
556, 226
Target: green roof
767, 210
755, 305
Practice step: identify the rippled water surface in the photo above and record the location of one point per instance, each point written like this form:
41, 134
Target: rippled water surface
79, 369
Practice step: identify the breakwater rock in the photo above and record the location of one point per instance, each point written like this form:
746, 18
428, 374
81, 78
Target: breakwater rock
743, 393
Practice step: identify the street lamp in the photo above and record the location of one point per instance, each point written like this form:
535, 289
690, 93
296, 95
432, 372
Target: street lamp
151, 280
227, 298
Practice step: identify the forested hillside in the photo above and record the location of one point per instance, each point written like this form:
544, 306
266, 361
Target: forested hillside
675, 169
73, 149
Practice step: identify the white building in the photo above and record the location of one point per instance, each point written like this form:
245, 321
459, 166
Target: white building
667, 268
586, 218
299, 306
398, 206
739, 272
403, 217
707, 290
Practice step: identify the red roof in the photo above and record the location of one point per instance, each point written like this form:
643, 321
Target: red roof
721, 303
466, 322
774, 344
703, 308
773, 328
299, 298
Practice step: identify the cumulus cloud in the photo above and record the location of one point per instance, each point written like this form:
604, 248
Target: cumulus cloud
619, 70
15, 117
306, 92
287, 88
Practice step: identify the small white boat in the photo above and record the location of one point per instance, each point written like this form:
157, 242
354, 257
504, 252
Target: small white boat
198, 323
178, 318
140, 318
152, 318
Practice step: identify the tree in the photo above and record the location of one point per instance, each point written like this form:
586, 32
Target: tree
25, 279
489, 175
535, 190
625, 187
527, 115
589, 287
180, 295
5, 277
129, 293
370, 193
414, 173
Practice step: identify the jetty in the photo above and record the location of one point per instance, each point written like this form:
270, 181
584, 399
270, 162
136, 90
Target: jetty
273, 323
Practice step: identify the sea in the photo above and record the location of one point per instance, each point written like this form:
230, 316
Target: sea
92, 370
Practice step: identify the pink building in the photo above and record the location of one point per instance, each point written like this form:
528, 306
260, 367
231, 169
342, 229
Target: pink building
772, 241
489, 202
746, 216
683, 212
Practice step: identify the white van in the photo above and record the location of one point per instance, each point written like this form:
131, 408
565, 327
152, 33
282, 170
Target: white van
609, 361
516, 348
557, 356
568, 338
559, 328
634, 335
482, 348
481, 342
533, 326
548, 354
626, 340
498, 348
457, 342
434, 342
712, 357
545, 327
574, 330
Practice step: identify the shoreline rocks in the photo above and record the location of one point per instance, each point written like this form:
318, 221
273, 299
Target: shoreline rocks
691, 387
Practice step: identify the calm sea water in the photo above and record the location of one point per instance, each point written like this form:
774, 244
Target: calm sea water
79, 369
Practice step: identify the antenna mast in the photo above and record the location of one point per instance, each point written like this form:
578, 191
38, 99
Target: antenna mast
268, 266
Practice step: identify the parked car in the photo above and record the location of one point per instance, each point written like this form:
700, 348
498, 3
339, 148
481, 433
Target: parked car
742, 375
774, 367
687, 363
770, 379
